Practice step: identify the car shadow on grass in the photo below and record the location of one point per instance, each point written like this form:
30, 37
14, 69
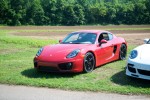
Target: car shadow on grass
32, 73
121, 79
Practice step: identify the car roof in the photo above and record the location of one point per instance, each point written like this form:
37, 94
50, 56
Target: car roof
93, 31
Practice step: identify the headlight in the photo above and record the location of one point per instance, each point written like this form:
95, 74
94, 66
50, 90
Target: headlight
133, 54
39, 52
73, 53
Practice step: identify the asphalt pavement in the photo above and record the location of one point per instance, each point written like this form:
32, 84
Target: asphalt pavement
12, 92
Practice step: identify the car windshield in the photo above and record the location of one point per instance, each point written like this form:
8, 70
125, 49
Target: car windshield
80, 38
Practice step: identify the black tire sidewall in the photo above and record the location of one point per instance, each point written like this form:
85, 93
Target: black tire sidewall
84, 67
120, 57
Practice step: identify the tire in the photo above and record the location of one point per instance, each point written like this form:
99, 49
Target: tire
123, 52
89, 62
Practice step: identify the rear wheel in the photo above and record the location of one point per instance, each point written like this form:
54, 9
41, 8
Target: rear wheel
89, 62
123, 52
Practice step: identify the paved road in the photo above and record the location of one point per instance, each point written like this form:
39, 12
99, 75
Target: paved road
32, 93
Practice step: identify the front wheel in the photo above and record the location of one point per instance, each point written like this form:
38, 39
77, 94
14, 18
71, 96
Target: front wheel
123, 52
89, 62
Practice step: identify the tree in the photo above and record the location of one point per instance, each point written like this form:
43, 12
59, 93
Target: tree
69, 16
80, 18
17, 7
3, 11
147, 13
35, 13
74, 12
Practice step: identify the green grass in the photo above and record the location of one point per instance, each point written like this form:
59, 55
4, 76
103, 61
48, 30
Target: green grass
26, 41
16, 67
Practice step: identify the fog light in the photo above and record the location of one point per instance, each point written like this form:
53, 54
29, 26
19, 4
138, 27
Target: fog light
69, 64
66, 66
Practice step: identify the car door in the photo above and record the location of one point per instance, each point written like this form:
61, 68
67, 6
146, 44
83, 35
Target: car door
105, 50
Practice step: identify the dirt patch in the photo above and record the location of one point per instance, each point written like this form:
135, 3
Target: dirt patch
72, 27
134, 34
9, 51
134, 39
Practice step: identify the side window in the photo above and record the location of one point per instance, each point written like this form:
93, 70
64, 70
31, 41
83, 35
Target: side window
103, 36
110, 36
106, 37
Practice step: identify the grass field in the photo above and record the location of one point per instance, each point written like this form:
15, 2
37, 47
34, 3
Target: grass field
18, 46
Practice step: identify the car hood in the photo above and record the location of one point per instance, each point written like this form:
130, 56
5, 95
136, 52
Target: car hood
59, 52
143, 53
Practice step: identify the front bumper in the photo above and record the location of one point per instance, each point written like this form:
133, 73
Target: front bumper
72, 65
138, 70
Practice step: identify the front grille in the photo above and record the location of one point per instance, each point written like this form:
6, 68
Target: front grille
48, 69
144, 72
131, 69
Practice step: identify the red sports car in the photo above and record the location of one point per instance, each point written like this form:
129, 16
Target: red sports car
81, 51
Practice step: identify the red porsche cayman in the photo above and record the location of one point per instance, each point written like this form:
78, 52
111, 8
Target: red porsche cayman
81, 51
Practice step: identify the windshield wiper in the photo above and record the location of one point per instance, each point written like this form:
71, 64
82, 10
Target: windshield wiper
71, 43
76, 43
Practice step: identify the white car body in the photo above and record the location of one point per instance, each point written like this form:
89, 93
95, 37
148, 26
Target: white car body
139, 66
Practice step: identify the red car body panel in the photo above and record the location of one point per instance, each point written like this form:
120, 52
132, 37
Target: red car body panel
53, 56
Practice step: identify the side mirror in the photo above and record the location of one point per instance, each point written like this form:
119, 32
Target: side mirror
103, 41
146, 40
60, 41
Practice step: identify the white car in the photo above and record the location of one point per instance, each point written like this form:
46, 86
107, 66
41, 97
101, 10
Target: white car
138, 64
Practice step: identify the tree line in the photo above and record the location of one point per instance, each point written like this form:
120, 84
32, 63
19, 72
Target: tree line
74, 12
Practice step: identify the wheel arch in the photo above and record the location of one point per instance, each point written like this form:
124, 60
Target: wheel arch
121, 41
124, 43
